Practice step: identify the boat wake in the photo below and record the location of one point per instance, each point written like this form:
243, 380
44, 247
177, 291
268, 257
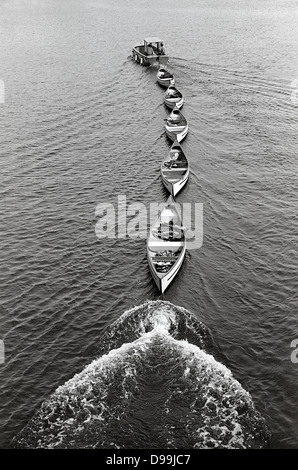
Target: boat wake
155, 384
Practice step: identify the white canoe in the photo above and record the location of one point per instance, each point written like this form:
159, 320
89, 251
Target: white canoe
175, 169
176, 125
173, 97
164, 77
166, 246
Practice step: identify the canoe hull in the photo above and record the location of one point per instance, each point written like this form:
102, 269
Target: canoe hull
175, 169
172, 102
166, 246
166, 82
164, 282
176, 125
177, 132
174, 188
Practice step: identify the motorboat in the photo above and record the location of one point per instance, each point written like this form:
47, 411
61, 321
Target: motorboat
150, 52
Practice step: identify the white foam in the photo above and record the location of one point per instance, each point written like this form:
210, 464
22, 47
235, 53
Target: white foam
208, 381
163, 319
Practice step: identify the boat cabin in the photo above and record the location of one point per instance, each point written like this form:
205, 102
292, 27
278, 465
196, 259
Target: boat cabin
153, 45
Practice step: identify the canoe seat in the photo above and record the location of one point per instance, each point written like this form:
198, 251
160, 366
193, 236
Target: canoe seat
173, 175
173, 165
181, 122
173, 95
166, 75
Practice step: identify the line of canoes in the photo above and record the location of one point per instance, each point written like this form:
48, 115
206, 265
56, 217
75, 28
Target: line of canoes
166, 242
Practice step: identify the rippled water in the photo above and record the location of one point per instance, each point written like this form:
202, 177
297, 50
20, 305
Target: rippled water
81, 124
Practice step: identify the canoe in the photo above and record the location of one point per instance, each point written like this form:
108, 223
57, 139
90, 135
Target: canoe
176, 125
164, 77
175, 169
150, 52
166, 245
173, 97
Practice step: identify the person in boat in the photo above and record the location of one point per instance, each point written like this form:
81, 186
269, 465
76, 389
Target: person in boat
172, 163
164, 73
172, 93
174, 118
156, 232
171, 230
174, 159
150, 50
176, 232
162, 49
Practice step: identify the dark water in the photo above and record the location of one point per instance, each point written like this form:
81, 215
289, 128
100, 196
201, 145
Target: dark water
81, 124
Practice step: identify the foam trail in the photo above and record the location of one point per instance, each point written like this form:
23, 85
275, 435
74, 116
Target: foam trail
156, 391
